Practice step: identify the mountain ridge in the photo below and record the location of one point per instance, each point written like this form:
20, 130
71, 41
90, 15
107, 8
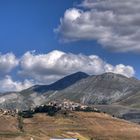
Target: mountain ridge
107, 89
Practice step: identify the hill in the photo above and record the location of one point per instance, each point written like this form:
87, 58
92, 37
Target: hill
36, 95
108, 91
85, 126
107, 88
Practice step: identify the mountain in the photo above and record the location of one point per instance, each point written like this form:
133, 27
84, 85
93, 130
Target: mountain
60, 84
107, 88
108, 91
35, 95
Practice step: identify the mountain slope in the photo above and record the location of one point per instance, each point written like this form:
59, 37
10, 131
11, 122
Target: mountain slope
62, 83
35, 95
107, 88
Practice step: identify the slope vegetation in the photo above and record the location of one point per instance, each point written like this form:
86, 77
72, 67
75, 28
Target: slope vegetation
82, 125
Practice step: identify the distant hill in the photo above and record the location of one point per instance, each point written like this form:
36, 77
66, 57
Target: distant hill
108, 89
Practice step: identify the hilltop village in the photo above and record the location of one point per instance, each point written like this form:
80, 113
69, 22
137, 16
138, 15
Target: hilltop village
58, 106
50, 108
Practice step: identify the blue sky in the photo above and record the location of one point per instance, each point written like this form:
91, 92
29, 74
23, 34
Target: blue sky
28, 25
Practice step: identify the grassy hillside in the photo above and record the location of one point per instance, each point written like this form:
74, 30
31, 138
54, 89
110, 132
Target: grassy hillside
85, 126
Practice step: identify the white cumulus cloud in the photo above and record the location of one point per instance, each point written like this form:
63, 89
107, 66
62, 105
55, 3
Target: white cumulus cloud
8, 84
115, 24
47, 68
50, 67
7, 63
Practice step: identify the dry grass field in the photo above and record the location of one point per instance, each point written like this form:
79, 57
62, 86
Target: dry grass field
85, 126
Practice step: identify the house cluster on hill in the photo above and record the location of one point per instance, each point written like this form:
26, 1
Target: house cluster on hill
13, 113
50, 108
58, 106
71, 106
